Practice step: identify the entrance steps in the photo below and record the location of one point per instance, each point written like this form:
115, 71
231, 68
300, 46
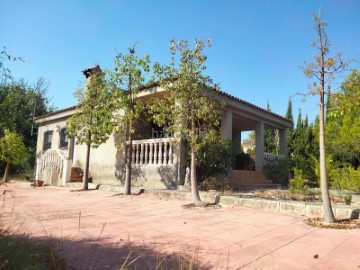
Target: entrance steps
76, 174
240, 179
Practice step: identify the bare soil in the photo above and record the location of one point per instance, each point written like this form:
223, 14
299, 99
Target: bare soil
310, 196
347, 224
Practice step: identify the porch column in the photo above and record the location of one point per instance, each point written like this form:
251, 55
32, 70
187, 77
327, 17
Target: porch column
37, 170
259, 146
66, 172
283, 142
236, 145
74, 156
226, 125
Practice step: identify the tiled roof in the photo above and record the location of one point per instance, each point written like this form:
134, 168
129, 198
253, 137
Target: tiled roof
252, 105
156, 84
56, 112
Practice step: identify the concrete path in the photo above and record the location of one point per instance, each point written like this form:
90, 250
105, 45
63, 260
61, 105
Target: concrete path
98, 230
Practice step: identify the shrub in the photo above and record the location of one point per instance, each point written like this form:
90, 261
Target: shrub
348, 199
218, 183
244, 162
214, 159
277, 169
297, 185
346, 179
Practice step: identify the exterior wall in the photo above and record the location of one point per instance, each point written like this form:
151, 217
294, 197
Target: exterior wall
103, 160
107, 162
55, 126
48, 174
107, 167
154, 176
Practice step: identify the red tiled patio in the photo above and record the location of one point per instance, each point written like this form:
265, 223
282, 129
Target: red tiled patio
226, 238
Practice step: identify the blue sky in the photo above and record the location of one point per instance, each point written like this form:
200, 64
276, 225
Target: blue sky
258, 46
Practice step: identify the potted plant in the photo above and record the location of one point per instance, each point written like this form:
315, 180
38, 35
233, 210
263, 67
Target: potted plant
38, 183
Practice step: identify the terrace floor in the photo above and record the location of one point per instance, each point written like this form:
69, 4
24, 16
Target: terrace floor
97, 229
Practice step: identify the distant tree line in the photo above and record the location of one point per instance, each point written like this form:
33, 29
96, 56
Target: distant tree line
20, 102
342, 127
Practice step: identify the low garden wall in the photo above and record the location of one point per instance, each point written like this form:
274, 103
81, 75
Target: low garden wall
276, 206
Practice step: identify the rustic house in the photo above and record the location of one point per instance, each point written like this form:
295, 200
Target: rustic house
157, 163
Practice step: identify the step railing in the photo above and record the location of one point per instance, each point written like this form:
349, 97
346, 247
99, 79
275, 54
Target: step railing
53, 160
153, 151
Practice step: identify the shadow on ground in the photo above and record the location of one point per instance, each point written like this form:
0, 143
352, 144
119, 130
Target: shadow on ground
95, 254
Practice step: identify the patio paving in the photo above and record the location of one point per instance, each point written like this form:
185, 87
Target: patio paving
96, 230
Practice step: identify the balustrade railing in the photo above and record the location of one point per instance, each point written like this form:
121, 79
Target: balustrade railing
53, 160
269, 157
153, 151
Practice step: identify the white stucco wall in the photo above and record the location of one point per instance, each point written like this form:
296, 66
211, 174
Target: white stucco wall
107, 167
102, 161
55, 126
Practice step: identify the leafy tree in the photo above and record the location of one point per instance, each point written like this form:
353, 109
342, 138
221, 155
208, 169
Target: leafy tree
12, 150
91, 124
19, 104
188, 108
323, 69
343, 121
127, 79
5, 73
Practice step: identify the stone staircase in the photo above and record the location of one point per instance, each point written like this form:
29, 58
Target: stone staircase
76, 174
249, 180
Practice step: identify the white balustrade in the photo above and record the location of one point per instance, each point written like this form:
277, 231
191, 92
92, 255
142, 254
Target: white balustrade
269, 157
53, 160
141, 153
151, 156
133, 154
153, 151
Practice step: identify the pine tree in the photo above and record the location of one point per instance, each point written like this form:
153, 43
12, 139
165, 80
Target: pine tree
271, 138
290, 131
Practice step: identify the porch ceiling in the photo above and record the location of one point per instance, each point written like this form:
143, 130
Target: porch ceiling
242, 123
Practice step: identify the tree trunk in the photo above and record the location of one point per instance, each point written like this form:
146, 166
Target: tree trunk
325, 196
86, 173
6, 173
194, 185
128, 158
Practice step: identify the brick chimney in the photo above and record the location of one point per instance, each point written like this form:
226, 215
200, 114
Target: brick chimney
91, 70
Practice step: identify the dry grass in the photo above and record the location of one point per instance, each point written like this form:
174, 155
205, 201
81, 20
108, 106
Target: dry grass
347, 224
310, 196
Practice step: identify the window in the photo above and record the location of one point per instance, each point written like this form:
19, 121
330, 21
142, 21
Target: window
47, 140
64, 140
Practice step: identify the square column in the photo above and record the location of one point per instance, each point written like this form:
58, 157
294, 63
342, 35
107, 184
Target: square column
236, 145
259, 146
283, 142
226, 125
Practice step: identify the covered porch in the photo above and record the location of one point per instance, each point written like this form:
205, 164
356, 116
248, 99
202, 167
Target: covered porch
239, 117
